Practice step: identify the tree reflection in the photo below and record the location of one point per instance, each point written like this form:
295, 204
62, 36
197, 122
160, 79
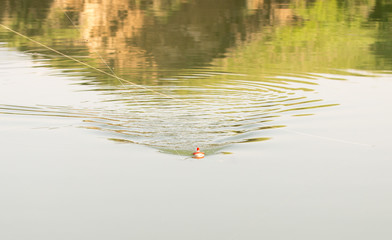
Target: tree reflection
156, 37
168, 34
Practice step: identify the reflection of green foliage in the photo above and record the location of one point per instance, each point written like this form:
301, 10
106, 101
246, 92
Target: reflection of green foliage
321, 35
380, 17
30, 18
325, 36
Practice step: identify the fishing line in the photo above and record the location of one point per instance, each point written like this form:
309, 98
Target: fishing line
110, 69
92, 67
122, 80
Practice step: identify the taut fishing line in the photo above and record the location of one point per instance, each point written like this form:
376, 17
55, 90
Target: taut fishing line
92, 67
113, 73
122, 81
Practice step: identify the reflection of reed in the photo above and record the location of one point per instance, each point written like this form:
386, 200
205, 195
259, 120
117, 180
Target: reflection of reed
5, 11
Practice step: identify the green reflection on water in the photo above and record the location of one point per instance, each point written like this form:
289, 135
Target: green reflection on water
148, 41
327, 36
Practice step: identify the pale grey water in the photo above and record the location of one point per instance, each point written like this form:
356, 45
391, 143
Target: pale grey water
291, 154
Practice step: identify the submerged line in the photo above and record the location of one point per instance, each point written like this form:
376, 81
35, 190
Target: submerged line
96, 52
329, 138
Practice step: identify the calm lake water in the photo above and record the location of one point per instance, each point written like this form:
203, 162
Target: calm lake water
103, 102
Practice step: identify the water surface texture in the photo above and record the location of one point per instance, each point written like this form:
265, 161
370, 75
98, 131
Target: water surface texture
289, 99
194, 73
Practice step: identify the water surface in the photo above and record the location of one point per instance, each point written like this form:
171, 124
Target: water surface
289, 99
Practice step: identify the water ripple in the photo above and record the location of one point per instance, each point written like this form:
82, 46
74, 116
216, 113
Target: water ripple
210, 116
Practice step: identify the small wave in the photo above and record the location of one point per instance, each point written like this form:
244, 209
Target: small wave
209, 116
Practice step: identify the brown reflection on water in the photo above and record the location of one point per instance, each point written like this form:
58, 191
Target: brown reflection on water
167, 34
107, 27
